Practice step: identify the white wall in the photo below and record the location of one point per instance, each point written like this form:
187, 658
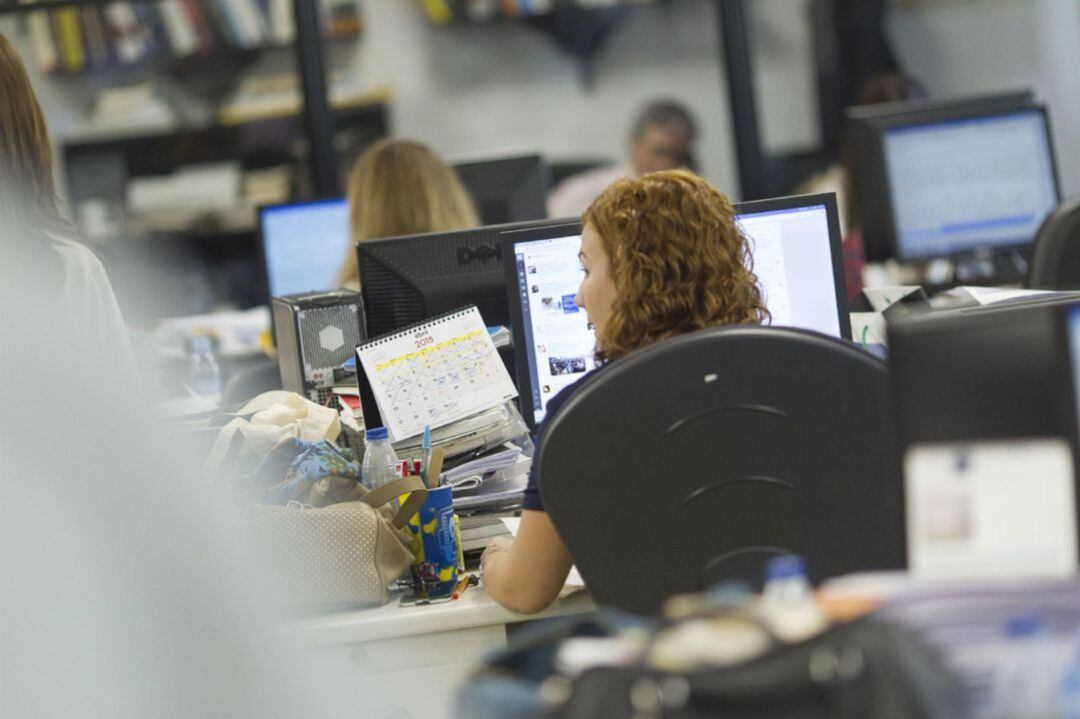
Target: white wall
467, 89
980, 46
786, 75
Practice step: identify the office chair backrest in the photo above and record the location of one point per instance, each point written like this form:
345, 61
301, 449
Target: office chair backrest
1055, 259
696, 460
251, 382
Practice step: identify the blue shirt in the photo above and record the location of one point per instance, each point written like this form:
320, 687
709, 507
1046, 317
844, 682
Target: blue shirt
532, 499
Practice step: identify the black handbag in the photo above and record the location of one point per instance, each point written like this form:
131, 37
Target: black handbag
866, 669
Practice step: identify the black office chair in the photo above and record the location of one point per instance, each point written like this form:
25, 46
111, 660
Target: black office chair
250, 382
698, 459
1055, 257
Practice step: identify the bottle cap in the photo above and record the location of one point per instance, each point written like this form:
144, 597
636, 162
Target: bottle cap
377, 433
1023, 625
785, 567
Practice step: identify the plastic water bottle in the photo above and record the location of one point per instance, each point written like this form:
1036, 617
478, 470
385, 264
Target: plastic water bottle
1027, 675
380, 461
203, 373
787, 601
1070, 685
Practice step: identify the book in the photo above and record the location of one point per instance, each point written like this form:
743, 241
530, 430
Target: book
282, 24
218, 23
434, 374
179, 28
250, 21
129, 37
70, 38
98, 50
198, 18
39, 28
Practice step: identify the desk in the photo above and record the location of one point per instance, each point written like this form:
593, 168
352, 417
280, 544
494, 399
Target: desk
410, 661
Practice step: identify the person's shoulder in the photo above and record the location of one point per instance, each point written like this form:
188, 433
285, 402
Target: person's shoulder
574, 194
74, 254
599, 177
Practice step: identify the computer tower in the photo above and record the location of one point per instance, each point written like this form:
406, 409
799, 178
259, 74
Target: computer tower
316, 332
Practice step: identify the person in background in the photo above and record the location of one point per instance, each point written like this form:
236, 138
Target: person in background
42, 261
401, 187
662, 138
839, 177
662, 256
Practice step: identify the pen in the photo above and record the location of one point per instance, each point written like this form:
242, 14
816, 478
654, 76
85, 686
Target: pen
425, 455
466, 582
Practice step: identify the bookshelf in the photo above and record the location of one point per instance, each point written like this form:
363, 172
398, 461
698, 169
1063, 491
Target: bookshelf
442, 12
215, 245
305, 34
69, 38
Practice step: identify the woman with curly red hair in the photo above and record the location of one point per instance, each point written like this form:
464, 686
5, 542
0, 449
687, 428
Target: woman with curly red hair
662, 256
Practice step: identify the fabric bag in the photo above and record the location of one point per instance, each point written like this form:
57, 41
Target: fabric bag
868, 668
311, 473
345, 554
262, 423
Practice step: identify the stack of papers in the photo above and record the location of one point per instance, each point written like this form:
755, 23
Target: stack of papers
507, 457
997, 295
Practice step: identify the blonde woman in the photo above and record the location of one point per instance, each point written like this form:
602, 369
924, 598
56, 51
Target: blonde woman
401, 187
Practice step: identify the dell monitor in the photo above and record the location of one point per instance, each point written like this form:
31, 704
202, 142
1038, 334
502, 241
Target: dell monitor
962, 182
863, 125
796, 249
507, 189
1069, 352
405, 280
303, 245
990, 372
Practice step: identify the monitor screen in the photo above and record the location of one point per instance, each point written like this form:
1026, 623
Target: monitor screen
1072, 336
864, 125
405, 280
303, 245
796, 249
556, 340
960, 185
507, 189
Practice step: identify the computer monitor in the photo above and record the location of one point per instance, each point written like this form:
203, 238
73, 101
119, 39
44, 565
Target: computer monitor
303, 245
1069, 374
961, 182
405, 280
990, 372
507, 189
863, 125
796, 248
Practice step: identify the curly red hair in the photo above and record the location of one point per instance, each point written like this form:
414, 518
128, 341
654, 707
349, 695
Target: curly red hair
678, 260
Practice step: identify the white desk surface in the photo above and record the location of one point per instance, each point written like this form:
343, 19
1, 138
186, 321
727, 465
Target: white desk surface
392, 621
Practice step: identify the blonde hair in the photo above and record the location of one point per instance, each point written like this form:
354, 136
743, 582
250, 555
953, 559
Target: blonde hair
27, 194
401, 187
678, 260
